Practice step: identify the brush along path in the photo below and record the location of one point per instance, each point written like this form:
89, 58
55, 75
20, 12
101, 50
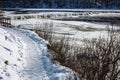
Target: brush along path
38, 66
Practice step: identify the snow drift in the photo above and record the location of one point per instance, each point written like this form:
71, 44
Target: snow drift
24, 56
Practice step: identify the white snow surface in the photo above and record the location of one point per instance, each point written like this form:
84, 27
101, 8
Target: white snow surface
28, 58
60, 28
106, 15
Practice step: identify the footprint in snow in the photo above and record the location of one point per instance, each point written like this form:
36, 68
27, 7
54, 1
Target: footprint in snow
7, 74
18, 59
20, 53
15, 65
19, 40
4, 70
1, 78
1, 72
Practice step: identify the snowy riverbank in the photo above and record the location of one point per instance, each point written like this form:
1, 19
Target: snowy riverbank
27, 58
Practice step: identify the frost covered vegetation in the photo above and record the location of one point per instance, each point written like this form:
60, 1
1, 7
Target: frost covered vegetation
97, 59
91, 59
25, 61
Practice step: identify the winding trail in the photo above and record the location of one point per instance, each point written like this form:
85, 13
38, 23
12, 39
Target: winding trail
38, 65
33, 69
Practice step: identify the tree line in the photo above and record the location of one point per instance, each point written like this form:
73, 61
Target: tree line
107, 4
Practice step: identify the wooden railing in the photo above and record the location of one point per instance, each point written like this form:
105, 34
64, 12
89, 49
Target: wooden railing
4, 21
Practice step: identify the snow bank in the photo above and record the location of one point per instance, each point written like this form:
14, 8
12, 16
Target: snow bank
11, 55
75, 28
27, 58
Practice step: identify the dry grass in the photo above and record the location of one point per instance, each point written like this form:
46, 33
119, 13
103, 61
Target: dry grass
98, 59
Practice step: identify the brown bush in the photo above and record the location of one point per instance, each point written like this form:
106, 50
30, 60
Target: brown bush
97, 59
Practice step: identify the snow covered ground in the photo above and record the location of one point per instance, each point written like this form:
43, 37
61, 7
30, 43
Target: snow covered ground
106, 15
76, 28
11, 51
24, 56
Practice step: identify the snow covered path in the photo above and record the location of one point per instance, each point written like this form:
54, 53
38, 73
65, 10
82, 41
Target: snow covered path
37, 65
34, 69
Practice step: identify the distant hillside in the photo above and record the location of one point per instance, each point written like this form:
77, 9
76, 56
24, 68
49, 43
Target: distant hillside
72, 4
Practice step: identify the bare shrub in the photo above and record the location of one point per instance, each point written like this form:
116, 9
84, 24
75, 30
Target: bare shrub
97, 59
45, 30
61, 48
